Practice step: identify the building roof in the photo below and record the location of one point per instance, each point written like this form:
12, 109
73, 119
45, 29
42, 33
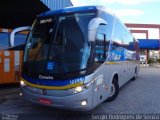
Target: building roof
17, 13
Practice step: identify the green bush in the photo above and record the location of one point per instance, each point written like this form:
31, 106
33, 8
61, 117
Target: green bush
151, 60
158, 60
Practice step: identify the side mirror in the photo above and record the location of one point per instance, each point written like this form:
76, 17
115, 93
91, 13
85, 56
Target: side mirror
92, 27
13, 33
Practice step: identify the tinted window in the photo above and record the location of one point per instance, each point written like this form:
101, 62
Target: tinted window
102, 44
99, 49
117, 51
123, 44
61, 41
118, 31
128, 40
109, 27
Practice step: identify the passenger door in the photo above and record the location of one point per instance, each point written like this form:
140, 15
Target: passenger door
101, 81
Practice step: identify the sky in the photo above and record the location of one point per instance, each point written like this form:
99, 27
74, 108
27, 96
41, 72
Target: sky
131, 11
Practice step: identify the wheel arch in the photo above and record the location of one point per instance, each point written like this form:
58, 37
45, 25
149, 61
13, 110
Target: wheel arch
115, 75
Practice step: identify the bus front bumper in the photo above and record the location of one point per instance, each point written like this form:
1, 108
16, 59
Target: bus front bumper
80, 101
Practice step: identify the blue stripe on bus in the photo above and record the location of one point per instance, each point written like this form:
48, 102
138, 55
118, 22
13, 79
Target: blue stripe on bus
70, 10
49, 82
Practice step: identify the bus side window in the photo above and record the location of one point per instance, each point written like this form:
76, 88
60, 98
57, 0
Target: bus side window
100, 52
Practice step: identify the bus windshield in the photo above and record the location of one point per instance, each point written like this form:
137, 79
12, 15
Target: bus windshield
58, 44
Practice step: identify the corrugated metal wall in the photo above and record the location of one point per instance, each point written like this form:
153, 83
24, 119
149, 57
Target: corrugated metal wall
57, 4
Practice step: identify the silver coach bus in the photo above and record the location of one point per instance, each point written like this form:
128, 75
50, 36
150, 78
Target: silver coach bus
78, 57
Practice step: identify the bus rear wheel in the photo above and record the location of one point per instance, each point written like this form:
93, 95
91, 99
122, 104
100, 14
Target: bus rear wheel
114, 90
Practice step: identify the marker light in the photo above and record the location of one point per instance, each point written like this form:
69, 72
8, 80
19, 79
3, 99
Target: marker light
23, 83
78, 89
83, 103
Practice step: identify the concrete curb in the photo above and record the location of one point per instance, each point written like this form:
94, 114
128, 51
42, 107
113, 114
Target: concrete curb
144, 66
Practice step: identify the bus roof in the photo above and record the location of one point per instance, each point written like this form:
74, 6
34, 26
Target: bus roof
72, 10
80, 9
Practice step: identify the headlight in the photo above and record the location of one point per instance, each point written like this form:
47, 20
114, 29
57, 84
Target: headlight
80, 88
23, 84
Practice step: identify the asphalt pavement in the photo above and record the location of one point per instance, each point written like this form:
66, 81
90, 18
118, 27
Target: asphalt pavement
137, 99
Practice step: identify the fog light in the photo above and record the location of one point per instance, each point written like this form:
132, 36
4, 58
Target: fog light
83, 103
20, 94
22, 83
78, 89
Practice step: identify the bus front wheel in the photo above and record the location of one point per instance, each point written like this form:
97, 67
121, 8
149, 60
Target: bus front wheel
114, 90
135, 75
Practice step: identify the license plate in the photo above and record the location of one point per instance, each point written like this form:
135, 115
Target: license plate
45, 101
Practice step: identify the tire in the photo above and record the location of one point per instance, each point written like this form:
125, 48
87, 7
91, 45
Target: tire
135, 75
114, 90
